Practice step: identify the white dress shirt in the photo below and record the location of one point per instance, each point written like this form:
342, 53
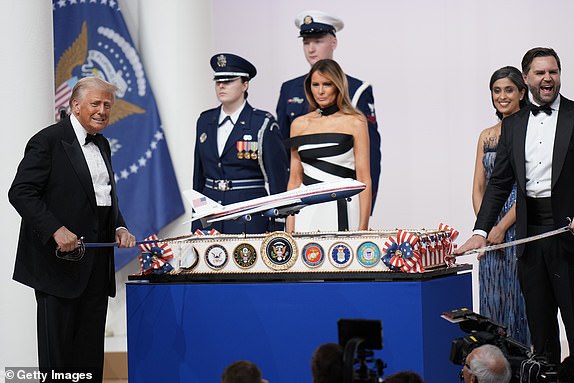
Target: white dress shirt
538, 151
224, 131
96, 164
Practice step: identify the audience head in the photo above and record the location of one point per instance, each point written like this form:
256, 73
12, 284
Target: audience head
242, 371
508, 91
329, 70
404, 377
541, 71
318, 32
486, 364
327, 364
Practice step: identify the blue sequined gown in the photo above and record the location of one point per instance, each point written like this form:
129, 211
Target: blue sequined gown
500, 295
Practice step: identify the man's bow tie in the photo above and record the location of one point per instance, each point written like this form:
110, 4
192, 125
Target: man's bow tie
542, 108
95, 138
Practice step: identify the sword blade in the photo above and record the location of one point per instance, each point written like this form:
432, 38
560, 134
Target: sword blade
143, 242
518, 241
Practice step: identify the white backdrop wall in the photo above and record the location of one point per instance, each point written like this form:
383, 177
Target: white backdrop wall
26, 104
428, 61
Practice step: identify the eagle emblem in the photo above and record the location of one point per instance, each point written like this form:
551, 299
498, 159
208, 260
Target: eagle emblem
91, 62
221, 61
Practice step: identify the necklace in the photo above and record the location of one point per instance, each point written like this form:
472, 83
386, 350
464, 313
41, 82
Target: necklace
328, 110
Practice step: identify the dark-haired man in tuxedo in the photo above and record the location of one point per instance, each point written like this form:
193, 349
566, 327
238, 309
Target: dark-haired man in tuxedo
64, 189
536, 150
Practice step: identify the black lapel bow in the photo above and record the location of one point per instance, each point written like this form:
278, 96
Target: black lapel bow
95, 138
542, 108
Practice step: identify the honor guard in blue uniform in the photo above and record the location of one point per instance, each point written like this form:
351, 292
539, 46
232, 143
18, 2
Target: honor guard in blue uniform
318, 31
239, 152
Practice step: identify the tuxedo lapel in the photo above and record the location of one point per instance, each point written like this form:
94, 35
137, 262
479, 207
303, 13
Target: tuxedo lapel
78, 162
562, 138
519, 142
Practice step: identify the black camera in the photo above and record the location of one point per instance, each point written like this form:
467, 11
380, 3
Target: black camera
526, 366
360, 337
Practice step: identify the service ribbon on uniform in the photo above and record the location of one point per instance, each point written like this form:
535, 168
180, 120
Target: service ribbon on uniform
240, 146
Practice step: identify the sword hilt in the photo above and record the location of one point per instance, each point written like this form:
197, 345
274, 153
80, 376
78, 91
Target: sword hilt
75, 255
78, 253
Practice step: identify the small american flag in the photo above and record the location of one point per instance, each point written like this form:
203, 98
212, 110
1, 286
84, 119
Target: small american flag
198, 202
63, 93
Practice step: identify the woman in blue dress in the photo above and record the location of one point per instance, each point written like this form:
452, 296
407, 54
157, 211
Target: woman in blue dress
500, 295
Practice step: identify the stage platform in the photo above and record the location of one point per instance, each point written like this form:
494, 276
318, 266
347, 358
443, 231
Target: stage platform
188, 329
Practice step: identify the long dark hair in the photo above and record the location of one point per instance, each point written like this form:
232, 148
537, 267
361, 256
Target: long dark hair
514, 75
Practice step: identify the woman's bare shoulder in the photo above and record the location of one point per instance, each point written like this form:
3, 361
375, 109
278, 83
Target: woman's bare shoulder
493, 131
356, 121
301, 123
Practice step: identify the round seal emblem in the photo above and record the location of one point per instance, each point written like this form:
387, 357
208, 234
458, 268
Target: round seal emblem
244, 255
313, 254
368, 254
216, 257
279, 251
189, 258
340, 255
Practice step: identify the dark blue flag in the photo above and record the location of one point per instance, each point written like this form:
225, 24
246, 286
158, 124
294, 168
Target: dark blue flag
91, 39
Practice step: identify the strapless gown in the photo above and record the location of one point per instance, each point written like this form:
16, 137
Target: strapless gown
327, 157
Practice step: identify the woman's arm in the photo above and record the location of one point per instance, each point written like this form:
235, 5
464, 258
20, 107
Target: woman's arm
497, 233
479, 180
295, 174
363, 169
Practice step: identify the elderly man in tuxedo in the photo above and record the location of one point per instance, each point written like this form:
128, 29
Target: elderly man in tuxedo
64, 189
536, 150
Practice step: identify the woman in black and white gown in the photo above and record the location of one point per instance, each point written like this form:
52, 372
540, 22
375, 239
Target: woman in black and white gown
327, 144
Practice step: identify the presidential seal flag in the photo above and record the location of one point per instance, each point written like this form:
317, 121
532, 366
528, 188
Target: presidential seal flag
91, 39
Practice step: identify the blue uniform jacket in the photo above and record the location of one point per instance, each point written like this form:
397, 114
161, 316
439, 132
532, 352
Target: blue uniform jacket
293, 103
253, 127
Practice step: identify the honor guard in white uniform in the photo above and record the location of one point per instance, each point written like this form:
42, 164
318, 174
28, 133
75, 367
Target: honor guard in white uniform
318, 31
239, 152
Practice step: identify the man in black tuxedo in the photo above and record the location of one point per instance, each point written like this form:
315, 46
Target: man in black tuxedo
536, 150
64, 188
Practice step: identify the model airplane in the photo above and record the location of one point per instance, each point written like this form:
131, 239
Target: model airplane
275, 206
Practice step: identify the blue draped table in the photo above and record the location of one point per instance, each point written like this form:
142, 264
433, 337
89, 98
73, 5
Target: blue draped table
188, 331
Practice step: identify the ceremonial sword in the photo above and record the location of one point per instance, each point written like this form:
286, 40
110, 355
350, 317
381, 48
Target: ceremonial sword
520, 241
78, 253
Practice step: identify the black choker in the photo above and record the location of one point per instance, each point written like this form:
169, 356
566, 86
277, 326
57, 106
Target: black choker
328, 110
